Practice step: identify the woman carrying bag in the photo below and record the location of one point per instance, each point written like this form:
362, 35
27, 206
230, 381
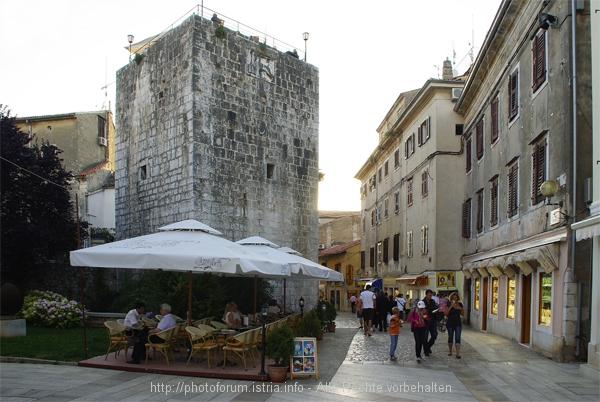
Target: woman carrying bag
418, 319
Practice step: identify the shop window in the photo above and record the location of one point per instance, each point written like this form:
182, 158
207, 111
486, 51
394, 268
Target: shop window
495, 296
476, 299
510, 297
545, 298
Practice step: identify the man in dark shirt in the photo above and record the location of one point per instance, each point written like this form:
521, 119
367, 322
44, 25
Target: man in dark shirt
431, 327
382, 311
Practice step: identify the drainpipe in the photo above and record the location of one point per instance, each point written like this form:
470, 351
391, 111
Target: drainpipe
574, 178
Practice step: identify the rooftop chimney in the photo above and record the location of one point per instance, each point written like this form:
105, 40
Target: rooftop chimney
447, 70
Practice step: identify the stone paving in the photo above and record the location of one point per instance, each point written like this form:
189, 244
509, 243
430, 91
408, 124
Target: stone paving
351, 367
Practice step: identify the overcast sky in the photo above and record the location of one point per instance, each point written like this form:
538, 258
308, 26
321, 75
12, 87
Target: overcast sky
57, 55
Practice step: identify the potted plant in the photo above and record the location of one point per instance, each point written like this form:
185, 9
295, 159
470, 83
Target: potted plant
310, 326
330, 316
280, 347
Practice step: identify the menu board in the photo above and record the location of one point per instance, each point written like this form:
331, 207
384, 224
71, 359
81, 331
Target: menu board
304, 362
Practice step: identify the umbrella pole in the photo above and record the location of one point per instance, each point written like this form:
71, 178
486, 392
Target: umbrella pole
189, 317
284, 293
81, 281
255, 286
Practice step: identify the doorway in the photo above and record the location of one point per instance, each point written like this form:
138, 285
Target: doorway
525, 330
484, 304
334, 298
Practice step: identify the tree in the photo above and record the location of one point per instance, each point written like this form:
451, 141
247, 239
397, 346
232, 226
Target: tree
38, 223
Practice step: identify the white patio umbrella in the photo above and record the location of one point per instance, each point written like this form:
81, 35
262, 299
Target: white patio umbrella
183, 246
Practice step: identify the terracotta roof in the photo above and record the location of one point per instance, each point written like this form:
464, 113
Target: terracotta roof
110, 182
92, 169
339, 249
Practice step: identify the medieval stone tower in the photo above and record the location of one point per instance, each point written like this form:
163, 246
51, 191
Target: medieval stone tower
223, 130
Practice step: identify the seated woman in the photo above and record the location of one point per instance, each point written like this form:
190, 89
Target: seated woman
232, 315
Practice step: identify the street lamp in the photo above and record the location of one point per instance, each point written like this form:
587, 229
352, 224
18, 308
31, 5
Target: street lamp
301, 301
130, 40
305, 37
264, 312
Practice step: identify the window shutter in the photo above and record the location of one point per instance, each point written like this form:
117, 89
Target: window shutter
372, 257
386, 249
428, 128
480, 212
468, 155
479, 139
513, 85
406, 149
362, 260
396, 247
412, 149
494, 203
419, 136
539, 60
466, 219
512, 190
539, 171
494, 125
534, 174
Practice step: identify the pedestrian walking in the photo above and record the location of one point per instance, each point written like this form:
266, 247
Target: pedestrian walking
431, 329
382, 311
401, 301
368, 308
419, 318
395, 323
353, 303
359, 312
454, 324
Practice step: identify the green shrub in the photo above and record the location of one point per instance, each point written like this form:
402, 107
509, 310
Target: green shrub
280, 345
220, 32
309, 326
49, 309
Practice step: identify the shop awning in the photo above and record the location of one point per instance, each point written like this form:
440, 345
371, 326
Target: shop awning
364, 281
587, 228
409, 279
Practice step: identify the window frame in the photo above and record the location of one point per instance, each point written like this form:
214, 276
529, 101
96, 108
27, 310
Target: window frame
513, 95
494, 120
539, 60
479, 139
539, 166
477, 293
386, 249
495, 295
466, 219
480, 211
508, 297
513, 190
397, 159
469, 155
424, 183
494, 201
409, 244
396, 202
424, 240
386, 204
541, 296
409, 192
396, 247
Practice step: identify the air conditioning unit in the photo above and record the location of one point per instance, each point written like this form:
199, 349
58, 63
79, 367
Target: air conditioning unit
102, 141
456, 92
321, 247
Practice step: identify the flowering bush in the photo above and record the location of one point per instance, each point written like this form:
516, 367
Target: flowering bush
49, 309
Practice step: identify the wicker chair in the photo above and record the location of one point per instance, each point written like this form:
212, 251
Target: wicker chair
241, 345
116, 337
165, 347
201, 341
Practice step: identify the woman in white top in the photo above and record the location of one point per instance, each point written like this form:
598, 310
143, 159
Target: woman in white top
233, 316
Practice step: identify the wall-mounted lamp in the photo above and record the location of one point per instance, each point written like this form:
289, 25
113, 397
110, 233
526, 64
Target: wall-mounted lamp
546, 21
130, 40
548, 189
301, 302
305, 37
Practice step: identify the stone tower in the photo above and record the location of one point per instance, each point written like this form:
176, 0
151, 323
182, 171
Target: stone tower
223, 130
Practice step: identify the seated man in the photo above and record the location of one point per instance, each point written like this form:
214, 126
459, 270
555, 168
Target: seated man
232, 315
274, 307
167, 322
133, 320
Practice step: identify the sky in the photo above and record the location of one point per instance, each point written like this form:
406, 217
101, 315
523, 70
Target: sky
56, 57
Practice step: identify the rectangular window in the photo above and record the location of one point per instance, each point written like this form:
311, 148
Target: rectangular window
480, 211
396, 250
363, 261
396, 159
101, 127
424, 240
424, 183
468, 155
409, 192
380, 175
545, 298
386, 170
338, 267
397, 202
513, 178
476, 298
372, 257
409, 146
379, 214
363, 191
270, 170
458, 129
494, 202
143, 173
466, 219
495, 296
479, 139
386, 203
538, 170
372, 183
386, 249
409, 244
495, 122
510, 297
538, 55
513, 95
373, 218
379, 252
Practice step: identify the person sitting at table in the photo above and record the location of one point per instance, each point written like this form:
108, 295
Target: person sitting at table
274, 307
167, 322
232, 315
133, 320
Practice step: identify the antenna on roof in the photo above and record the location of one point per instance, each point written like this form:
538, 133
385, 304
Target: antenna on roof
106, 85
472, 44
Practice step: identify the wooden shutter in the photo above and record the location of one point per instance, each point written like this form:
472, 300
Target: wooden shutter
419, 136
479, 139
494, 203
406, 148
538, 176
386, 247
480, 211
412, 149
466, 219
372, 257
539, 60
427, 128
409, 192
468, 155
424, 189
513, 95
512, 190
396, 247
494, 125
362, 259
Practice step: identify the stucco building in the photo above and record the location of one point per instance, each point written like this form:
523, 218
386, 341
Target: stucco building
410, 192
87, 140
343, 258
526, 114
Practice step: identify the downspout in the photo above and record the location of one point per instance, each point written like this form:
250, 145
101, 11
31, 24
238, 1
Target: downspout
574, 178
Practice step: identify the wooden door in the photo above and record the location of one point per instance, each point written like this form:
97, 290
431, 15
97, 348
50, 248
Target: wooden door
525, 330
484, 303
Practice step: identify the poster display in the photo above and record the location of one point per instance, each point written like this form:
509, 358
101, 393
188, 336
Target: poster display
304, 361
